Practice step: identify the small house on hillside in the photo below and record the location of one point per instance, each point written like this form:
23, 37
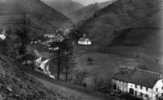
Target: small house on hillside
84, 41
3, 34
142, 84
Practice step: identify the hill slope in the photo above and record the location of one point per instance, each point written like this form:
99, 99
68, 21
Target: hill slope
122, 15
127, 34
87, 11
41, 17
25, 20
64, 6
127, 29
15, 85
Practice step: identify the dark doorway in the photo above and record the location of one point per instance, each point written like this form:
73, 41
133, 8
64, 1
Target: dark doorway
131, 91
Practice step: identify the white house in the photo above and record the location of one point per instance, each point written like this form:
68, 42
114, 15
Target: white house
43, 64
3, 34
84, 41
142, 84
54, 49
49, 35
54, 37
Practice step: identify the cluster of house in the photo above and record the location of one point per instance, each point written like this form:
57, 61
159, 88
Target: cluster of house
50, 39
54, 37
84, 40
43, 63
142, 84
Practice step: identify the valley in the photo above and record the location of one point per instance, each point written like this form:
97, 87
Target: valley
63, 50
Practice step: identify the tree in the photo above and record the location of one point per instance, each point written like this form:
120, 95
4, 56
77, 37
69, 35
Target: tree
67, 61
64, 57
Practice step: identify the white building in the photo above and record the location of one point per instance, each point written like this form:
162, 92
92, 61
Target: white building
54, 37
84, 41
43, 64
142, 84
3, 34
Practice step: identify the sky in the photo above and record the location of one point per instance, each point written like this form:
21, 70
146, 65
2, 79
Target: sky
86, 2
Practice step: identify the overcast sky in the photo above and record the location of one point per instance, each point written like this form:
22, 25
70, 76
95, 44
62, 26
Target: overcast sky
86, 2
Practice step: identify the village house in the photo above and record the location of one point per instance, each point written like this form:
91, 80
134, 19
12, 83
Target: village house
3, 34
142, 84
84, 41
54, 37
43, 64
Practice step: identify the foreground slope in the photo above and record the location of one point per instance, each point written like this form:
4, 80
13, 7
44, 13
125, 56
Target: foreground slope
15, 85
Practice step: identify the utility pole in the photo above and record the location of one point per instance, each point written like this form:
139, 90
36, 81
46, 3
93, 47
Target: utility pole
23, 35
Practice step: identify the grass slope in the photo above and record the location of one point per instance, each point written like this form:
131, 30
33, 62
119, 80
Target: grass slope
125, 33
15, 85
86, 12
40, 17
119, 16
64, 6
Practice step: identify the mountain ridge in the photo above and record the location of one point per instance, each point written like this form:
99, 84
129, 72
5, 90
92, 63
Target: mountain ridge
64, 6
88, 11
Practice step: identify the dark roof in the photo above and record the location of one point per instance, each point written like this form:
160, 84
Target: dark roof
138, 76
83, 39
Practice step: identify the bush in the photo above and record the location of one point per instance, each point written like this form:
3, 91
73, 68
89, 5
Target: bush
102, 85
89, 61
80, 76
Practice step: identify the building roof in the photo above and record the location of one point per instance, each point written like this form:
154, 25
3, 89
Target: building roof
138, 76
55, 37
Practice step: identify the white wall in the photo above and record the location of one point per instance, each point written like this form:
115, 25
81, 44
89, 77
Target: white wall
125, 87
158, 85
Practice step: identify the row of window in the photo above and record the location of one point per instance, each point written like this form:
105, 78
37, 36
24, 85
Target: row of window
138, 94
141, 87
157, 89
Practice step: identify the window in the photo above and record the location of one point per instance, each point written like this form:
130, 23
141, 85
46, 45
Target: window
135, 93
141, 94
162, 88
141, 87
156, 89
146, 89
135, 86
157, 96
146, 96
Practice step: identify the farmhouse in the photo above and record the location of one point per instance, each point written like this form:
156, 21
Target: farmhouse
84, 41
142, 84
